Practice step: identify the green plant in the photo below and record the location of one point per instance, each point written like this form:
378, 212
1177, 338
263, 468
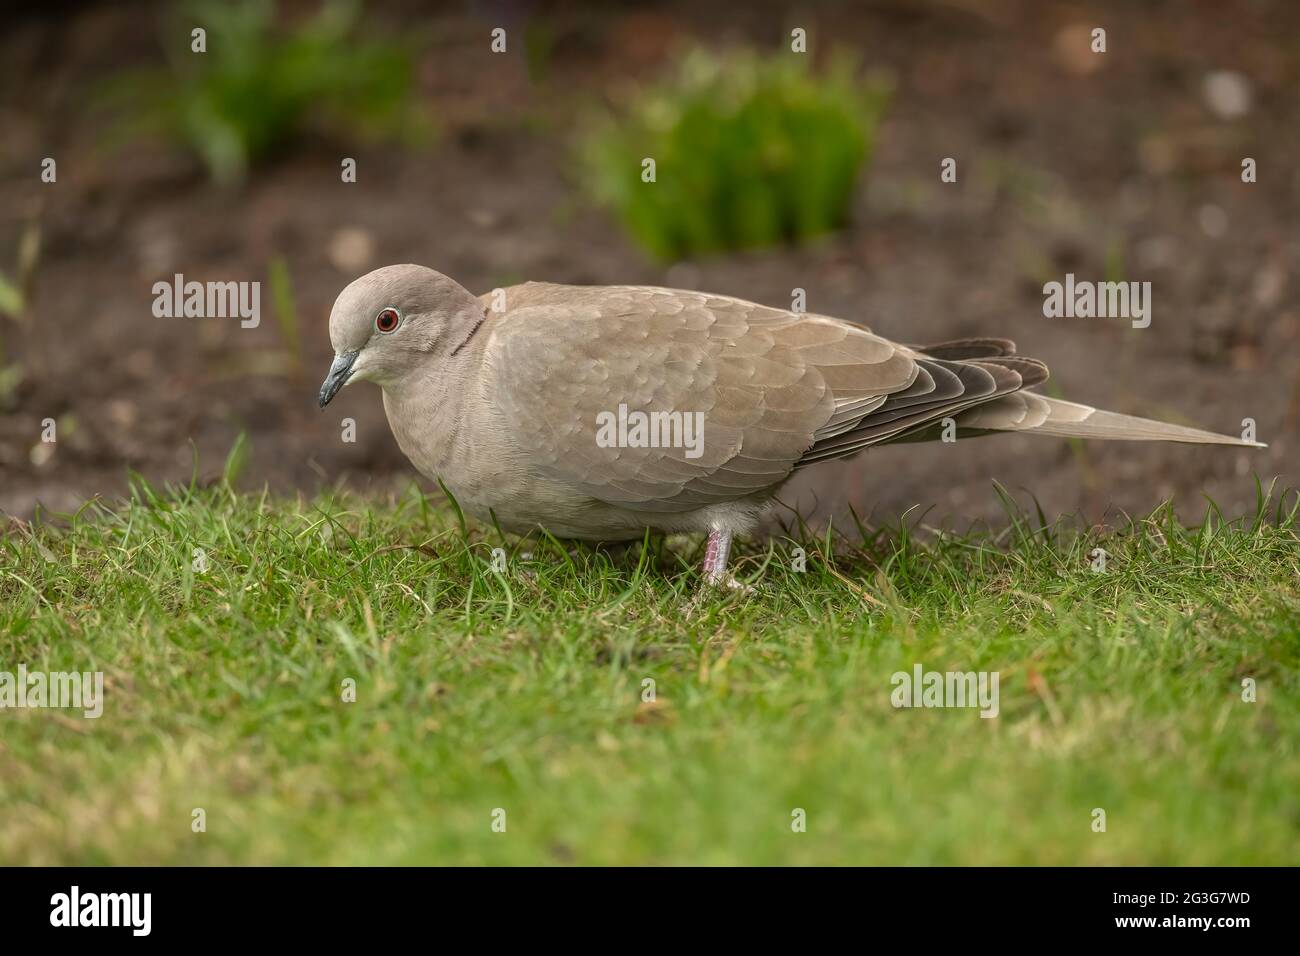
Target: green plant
11, 298
15, 293
256, 88
15, 300
748, 151
286, 313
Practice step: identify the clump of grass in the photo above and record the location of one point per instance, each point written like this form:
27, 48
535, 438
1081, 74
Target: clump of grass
749, 151
258, 87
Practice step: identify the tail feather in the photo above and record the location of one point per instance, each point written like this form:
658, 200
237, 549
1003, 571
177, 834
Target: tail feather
1009, 409
1025, 411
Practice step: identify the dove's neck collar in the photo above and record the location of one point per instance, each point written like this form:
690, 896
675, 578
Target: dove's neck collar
478, 324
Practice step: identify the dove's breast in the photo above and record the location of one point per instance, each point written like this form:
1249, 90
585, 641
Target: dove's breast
463, 441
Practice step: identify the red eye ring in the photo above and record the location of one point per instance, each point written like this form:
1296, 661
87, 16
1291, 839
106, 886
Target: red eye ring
387, 320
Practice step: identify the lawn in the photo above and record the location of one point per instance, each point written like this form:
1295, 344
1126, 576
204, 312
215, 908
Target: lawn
477, 691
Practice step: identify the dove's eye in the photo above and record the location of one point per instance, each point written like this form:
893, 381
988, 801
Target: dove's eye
387, 320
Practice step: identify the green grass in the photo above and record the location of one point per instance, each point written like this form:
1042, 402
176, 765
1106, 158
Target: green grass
477, 690
749, 151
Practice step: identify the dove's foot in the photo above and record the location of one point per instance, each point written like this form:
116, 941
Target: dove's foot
733, 584
716, 553
706, 592
715, 571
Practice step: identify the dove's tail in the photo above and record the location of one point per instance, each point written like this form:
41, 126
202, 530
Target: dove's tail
1026, 411
981, 387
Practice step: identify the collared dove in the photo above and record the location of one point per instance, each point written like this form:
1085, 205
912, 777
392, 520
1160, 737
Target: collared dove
598, 412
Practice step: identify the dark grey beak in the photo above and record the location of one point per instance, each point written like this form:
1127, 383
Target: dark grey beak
338, 376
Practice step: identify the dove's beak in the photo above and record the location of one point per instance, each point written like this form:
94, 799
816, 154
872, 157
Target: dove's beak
338, 376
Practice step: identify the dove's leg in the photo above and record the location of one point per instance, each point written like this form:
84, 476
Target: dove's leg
715, 556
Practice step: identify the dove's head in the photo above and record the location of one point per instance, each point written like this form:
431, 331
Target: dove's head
393, 321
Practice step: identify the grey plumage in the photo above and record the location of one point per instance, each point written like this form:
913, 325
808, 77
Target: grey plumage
503, 405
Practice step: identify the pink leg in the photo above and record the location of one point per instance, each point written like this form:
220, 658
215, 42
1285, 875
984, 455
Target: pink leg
715, 556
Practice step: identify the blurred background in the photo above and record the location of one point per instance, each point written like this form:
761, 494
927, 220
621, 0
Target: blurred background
775, 170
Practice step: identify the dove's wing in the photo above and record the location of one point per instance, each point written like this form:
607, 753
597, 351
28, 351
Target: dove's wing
774, 389
766, 383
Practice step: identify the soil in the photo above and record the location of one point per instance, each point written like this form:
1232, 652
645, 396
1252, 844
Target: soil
1068, 161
